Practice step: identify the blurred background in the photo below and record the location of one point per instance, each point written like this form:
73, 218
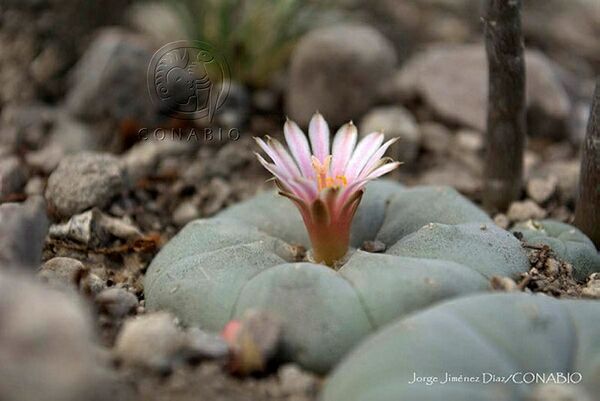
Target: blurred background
74, 78
84, 140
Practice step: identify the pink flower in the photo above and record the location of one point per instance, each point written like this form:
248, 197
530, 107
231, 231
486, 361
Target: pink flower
326, 185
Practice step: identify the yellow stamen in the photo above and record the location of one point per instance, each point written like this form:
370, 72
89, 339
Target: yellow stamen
322, 173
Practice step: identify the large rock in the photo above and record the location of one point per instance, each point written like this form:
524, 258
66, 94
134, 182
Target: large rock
47, 349
453, 81
109, 81
337, 70
83, 181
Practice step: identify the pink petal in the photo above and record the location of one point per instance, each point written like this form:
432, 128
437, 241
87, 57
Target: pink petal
386, 168
318, 132
362, 154
309, 187
279, 155
285, 158
299, 148
343, 145
349, 190
374, 160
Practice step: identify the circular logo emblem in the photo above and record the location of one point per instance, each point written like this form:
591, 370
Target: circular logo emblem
188, 80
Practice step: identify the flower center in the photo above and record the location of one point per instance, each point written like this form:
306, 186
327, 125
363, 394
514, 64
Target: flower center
324, 179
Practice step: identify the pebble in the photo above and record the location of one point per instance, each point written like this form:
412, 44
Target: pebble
294, 380
83, 181
150, 341
94, 228
12, 176
502, 283
436, 137
62, 272
201, 345
185, 212
116, 302
502, 221
373, 246
35, 186
542, 189
525, 210
592, 287
394, 122
47, 346
23, 228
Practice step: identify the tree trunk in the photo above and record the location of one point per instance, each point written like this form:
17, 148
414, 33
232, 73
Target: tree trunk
506, 128
587, 212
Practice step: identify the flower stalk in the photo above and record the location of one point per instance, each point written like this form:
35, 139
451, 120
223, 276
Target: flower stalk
326, 181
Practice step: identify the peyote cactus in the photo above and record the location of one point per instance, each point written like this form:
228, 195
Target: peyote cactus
519, 347
439, 245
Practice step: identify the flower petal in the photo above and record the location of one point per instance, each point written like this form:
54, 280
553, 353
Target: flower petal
376, 157
299, 148
362, 154
279, 155
343, 145
318, 132
386, 168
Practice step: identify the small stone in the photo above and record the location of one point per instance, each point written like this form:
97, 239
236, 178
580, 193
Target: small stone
35, 186
12, 176
592, 287
45, 159
201, 345
94, 228
502, 221
502, 283
151, 341
91, 284
552, 267
23, 228
345, 61
141, 160
184, 213
468, 140
62, 272
47, 346
525, 210
295, 381
567, 175
395, 122
455, 175
436, 137
373, 246
116, 302
83, 181
542, 189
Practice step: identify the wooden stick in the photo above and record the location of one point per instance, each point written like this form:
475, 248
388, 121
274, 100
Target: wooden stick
506, 128
587, 212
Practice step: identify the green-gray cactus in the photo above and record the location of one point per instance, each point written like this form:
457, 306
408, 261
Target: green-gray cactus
568, 242
216, 269
480, 336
